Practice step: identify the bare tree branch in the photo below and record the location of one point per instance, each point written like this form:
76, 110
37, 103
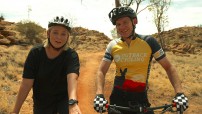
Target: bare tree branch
147, 7
117, 3
159, 8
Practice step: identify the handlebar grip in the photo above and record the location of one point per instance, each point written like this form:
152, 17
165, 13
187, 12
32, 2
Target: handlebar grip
107, 106
174, 105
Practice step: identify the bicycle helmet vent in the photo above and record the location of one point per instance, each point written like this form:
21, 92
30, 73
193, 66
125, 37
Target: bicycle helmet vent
60, 21
119, 12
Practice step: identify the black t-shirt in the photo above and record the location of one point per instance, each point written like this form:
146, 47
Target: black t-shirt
50, 75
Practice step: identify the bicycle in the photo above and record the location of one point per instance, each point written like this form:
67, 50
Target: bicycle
114, 109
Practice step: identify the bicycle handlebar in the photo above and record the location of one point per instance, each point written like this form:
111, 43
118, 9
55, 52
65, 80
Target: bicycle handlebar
160, 107
137, 108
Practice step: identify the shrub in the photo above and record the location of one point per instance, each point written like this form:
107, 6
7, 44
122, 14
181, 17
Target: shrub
1, 18
30, 30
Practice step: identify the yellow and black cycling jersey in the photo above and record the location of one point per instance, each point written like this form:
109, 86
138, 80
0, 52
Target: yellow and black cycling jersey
133, 61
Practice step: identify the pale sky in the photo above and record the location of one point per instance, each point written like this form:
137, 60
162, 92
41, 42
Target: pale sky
93, 14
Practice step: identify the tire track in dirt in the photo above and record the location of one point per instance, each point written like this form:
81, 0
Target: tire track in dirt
86, 81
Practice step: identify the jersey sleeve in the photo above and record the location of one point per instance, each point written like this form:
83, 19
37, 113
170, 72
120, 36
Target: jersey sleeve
73, 63
157, 51
30, 66
108, 53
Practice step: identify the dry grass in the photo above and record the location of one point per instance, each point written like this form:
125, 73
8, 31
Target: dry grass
11, 64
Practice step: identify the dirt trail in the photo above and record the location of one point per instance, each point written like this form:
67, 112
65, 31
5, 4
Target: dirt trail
86, 83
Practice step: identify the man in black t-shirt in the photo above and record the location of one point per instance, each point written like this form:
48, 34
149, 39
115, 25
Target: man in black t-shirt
52, 71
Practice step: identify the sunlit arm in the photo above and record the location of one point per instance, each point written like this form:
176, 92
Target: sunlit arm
100, 79
24, 90
72, 80
172, 74
72, 85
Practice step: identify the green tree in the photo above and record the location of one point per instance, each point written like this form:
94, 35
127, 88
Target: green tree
114, 33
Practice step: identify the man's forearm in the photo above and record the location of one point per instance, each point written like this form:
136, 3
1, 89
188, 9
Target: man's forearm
100, 79
100, 83
174, 79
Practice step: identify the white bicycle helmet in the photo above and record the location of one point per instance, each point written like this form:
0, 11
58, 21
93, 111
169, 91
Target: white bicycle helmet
60, 21
119, 12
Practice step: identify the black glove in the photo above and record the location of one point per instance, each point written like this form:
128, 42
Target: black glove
181, 102
100, 103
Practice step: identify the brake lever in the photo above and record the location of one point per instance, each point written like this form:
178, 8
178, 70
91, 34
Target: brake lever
170, 108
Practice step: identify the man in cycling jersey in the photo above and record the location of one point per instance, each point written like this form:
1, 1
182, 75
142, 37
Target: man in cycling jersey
132, 54
52, 71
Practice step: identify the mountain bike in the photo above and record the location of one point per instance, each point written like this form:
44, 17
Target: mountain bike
114, 109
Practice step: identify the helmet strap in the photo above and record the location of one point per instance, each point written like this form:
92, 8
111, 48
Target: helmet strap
132, 36
57, 49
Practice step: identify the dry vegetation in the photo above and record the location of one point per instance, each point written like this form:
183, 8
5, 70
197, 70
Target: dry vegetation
12, 59
11, 64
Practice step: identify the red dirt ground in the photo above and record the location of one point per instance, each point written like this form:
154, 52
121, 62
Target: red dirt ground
86, 83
